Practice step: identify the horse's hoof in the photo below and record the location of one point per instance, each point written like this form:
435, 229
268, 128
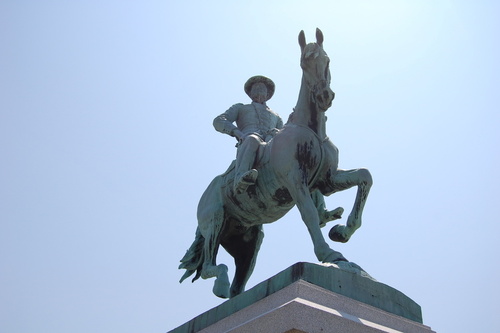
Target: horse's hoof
337, 213
354, 268
334, 257
330, 215
221, 287
336, 234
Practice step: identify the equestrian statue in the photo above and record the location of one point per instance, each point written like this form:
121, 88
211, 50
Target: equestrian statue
277, 167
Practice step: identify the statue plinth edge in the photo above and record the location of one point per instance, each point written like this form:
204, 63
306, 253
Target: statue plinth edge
322, 289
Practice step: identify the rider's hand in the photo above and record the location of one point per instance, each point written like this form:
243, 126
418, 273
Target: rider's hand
238, 135
273, 131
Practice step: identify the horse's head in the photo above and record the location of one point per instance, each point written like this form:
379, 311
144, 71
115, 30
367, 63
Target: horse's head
315, 65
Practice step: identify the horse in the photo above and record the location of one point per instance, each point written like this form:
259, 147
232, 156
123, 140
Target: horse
297, 167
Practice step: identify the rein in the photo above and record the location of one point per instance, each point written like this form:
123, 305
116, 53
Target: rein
326, 138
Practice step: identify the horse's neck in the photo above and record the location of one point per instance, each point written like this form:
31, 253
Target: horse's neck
306, 113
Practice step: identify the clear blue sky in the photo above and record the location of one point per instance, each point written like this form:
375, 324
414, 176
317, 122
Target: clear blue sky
106, 145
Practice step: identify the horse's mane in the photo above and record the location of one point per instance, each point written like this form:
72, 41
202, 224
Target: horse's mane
290, 117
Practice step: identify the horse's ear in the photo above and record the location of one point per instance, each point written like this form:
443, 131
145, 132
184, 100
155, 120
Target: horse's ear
319, 37
302, 40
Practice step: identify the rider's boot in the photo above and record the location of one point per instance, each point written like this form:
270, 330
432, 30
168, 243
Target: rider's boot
242, 182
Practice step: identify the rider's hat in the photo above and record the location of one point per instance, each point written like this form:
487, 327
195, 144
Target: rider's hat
260, 79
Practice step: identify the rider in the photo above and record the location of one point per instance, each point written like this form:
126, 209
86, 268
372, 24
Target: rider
256, 124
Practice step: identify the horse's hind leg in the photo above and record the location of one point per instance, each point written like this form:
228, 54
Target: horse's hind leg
212, 233
210, 223
343, 180
244, 248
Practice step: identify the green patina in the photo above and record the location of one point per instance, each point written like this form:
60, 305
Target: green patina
277, 167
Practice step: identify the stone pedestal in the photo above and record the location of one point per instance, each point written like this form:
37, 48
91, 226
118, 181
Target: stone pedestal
313, 298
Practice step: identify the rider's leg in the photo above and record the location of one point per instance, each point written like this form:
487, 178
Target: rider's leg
245, 159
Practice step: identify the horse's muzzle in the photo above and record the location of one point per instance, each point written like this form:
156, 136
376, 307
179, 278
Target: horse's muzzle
325, 98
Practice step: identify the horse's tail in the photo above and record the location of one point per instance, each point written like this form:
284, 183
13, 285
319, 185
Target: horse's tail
193, 259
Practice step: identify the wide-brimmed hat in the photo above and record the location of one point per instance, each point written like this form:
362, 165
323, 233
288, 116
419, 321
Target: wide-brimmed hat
260, 79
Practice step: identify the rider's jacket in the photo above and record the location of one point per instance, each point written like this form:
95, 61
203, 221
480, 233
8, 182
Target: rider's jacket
254, 118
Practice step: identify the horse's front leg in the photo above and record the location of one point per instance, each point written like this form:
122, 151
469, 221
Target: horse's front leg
325, 215
343, 180
309, 215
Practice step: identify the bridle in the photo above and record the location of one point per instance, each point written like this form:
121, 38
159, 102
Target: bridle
319, 85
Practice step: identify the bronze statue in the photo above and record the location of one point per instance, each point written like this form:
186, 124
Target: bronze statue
297, 166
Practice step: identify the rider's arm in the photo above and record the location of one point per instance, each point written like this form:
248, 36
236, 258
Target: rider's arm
224, 122
277, 126
279, 123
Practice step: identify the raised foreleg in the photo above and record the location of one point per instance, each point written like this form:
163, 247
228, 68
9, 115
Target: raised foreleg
325, 215
342, 180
